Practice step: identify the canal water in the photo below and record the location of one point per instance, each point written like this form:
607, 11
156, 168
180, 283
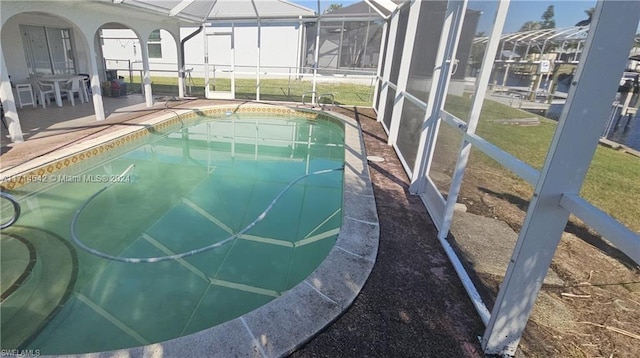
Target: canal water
627, 132
623, 130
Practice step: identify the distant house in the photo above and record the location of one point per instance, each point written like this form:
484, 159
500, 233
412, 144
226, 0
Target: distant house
121, 48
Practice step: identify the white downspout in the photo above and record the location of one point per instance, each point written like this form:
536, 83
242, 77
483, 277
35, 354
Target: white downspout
207, 91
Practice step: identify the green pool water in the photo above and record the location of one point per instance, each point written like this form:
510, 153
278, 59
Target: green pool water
188, 189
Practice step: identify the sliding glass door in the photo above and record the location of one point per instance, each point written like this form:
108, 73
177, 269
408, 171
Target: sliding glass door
48, 50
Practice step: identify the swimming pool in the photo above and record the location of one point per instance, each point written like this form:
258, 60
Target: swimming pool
192, 183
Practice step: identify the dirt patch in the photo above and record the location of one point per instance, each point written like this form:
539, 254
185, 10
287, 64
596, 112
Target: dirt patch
596, 312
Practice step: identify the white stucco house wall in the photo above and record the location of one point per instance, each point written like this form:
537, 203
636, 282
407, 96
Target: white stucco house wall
121, 49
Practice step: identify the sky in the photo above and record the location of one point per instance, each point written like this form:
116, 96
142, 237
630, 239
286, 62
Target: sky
567, 12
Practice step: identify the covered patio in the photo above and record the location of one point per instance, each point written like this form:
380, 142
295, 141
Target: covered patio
43, 40
37, 123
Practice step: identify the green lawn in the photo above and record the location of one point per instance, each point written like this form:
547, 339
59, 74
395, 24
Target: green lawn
612, 182
270, 89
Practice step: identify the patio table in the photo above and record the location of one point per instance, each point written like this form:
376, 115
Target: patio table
56, 80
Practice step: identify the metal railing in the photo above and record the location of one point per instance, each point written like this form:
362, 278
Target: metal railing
16, 210
295, 76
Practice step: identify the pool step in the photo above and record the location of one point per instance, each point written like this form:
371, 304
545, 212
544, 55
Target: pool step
18, 256
38, 297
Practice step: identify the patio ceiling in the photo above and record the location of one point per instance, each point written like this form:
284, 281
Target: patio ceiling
212, 10
216, 10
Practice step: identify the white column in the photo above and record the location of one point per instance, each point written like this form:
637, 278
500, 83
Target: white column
9, 103
146, 75
405, 66
233, 61
258, 65
94, 73
316, 55
574, 143
300, 50
388, 63
181, 66
340, 45
207, 90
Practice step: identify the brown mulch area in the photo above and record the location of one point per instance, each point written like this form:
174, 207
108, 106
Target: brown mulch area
413, 304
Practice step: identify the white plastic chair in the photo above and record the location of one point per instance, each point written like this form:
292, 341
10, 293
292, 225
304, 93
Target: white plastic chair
44, 90
86, 86
74, 85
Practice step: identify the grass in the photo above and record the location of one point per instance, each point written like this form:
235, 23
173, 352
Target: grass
611, 183
270, 89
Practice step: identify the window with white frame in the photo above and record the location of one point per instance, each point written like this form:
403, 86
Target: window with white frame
155, 45
48, 50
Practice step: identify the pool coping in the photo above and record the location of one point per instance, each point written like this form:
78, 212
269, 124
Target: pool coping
281, 326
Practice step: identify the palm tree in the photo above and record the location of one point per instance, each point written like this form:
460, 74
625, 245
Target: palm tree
332, 8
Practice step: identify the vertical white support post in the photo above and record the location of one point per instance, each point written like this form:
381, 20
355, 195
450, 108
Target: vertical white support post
207, 87
405, 66
181, 67
437, 95
388, 64
9, 103
233, 60
316, 55
366, 41
299, 49
376, 89
340, 45
482, 83
258, 66
146, 75
476, 107
96, 89
574, 143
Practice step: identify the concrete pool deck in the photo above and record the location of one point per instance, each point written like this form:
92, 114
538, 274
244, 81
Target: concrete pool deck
282, 325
